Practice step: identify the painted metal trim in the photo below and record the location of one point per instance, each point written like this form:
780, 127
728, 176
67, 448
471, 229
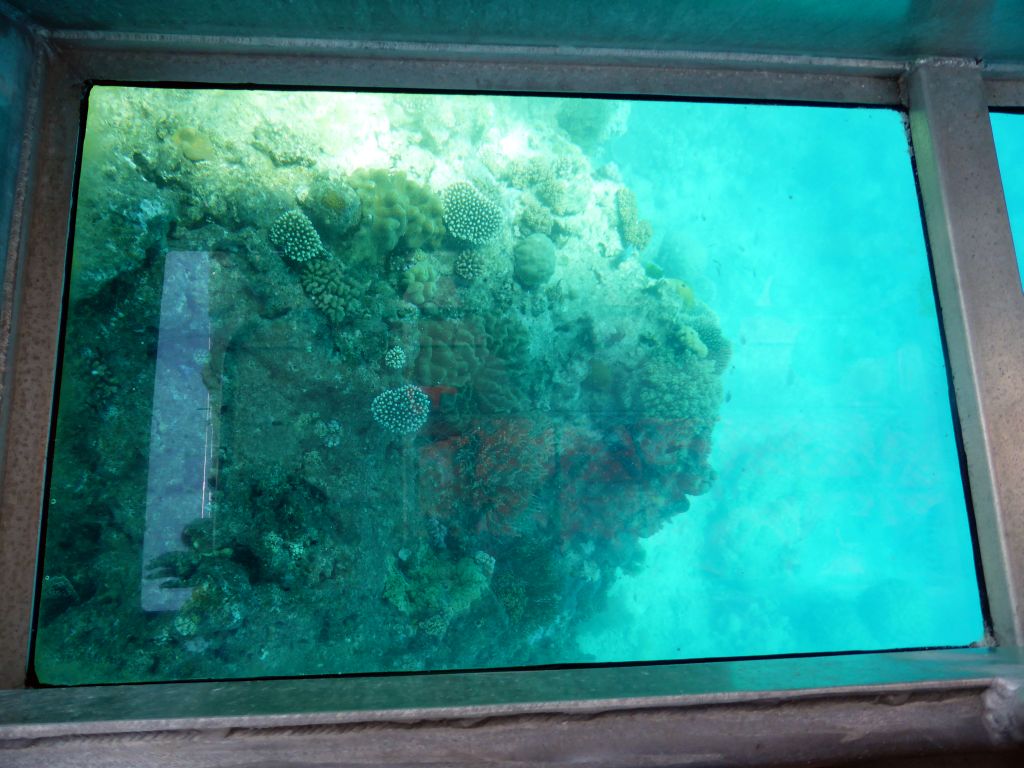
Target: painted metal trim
142, 58
899, 703
982, 310
763, 728
1005, 93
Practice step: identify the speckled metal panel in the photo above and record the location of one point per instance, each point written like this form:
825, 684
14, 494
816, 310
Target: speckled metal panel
990, 29
15, 69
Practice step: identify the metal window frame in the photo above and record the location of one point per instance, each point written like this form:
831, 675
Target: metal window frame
769, 711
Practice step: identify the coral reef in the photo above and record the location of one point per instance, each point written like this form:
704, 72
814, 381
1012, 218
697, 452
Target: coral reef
469, 265
431, 436
332, 205
419, 282
450, 353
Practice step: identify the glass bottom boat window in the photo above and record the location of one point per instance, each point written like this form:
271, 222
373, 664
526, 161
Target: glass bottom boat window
1008, 131
377, 382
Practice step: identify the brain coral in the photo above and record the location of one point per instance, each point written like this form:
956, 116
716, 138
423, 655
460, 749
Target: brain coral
399, 212
335, 292
402, 410
296, 236
469, 215
534, 260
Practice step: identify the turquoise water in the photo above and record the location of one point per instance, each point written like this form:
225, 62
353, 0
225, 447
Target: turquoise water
360, 383
1008, 131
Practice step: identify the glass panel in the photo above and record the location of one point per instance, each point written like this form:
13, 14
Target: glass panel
1008, 131
377, 382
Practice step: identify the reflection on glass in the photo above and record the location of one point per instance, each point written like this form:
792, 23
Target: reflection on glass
377, 382
1008, 131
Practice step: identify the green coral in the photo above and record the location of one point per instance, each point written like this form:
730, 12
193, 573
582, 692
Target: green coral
294, 234
336, 292
534, 260
469, 215
398, 212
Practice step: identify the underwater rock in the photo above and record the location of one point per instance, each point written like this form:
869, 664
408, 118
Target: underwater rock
469, 215
280, 144
534, 261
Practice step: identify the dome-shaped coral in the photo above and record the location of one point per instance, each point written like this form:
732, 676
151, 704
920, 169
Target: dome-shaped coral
400, 213
469, 215
534, 260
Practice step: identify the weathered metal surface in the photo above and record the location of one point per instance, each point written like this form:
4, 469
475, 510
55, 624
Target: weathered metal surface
755, 730
488, 68
1005, 92
982, 311
37, 284
870, 29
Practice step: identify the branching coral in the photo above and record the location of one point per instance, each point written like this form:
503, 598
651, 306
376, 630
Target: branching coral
402, 410
469, 215
634, 230
336, 292
294, 234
